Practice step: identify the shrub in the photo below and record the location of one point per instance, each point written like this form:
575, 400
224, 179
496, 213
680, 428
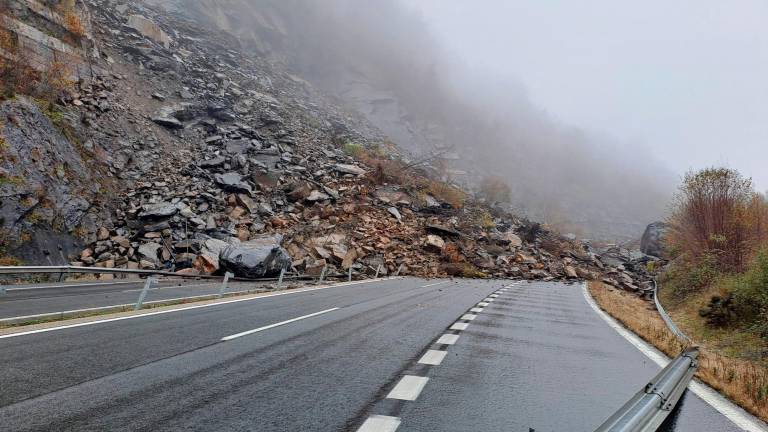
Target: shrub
717, 213
353, 149
74, 24
688, 276
750, 291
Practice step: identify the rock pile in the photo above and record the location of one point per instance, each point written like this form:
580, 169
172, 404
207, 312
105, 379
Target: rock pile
218, 161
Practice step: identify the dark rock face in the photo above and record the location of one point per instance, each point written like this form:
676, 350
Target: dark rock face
652, 242
46, 184
257, 258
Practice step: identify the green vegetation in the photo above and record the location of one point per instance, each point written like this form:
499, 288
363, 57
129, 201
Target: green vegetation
716, 286
353, 149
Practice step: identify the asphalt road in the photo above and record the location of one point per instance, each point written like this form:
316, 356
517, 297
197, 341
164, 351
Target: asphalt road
25, 300
338, 359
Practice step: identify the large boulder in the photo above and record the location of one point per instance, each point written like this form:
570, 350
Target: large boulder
652, 242
257, 258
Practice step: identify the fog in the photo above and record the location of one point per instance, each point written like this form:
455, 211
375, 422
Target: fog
589, 111
684, 79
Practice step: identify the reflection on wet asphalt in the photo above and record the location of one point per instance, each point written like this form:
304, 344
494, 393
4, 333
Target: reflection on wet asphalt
539, 357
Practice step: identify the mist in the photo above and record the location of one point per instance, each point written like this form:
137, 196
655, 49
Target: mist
591, 127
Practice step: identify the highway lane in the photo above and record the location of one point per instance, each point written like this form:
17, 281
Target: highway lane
59, 297
534, 355
539, 357
172, 371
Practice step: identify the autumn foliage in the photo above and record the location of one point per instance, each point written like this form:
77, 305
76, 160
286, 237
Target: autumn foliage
717, 215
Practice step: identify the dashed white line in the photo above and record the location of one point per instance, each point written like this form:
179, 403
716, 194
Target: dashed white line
380, 423
448, 339
468, 317
281, 323
483, 304
433, 357
459, 326
476, 309
408, 388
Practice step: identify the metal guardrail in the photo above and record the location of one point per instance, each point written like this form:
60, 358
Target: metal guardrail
685, 340
648, 409
151, 278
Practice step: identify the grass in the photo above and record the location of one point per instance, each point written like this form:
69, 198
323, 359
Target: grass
742, 381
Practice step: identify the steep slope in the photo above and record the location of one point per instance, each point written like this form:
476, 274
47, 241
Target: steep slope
381, 60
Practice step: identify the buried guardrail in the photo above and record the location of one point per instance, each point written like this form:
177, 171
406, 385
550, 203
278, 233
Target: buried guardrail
648, 409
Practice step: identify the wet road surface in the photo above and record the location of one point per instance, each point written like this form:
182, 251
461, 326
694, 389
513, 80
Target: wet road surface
432, 355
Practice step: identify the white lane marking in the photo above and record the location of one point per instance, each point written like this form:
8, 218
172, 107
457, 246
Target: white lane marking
73, 285
433, 357
493, 295
489, 300
483, 304
409, 388
295, 291
271, 326
380, 423
433, 284
737, 415
459, 326
448, 339
476, 309
468, 317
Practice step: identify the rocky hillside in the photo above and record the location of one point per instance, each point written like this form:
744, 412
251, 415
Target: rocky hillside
177, 150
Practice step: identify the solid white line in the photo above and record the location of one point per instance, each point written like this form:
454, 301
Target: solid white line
459, 326
433, 357
271, 326
468, 317
380, 423
476, 309
483, 304
72, 285
447, 339
433, 284
294, 291
409, 388
737, 415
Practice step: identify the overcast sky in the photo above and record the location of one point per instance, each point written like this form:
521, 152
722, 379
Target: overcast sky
688, 79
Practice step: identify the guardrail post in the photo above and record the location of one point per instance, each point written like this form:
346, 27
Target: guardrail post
280, 279
223, 288
349, 274
378, 269
322, 275
147, 284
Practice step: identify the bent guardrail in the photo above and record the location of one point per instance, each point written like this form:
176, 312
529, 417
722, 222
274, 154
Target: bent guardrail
648, 409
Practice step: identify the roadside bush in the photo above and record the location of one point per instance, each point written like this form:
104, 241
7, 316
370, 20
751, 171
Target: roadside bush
717, 213
750, 291
689, 276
